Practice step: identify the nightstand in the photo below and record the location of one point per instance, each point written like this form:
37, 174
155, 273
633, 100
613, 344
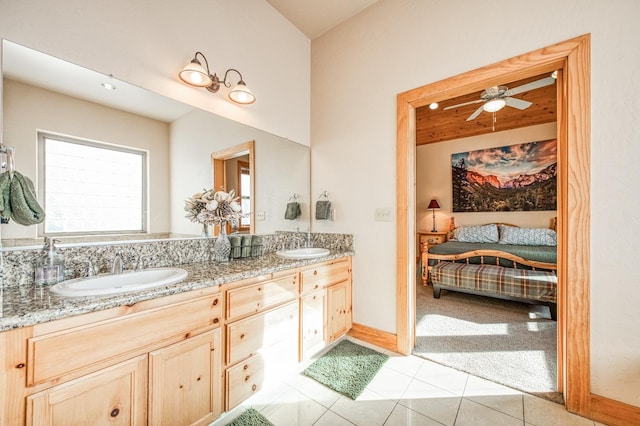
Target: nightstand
426, 240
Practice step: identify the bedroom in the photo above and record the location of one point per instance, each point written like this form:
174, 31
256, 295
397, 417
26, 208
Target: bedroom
434, 160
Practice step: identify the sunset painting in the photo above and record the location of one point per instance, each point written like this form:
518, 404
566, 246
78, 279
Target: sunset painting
518, 177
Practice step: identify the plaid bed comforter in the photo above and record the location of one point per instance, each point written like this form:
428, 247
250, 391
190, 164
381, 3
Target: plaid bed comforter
522, 283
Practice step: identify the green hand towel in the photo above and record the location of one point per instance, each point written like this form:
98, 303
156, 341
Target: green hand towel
25, 209
293, 211
323, 210
5, 193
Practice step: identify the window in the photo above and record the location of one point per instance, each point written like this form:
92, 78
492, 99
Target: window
90, 187
244, 190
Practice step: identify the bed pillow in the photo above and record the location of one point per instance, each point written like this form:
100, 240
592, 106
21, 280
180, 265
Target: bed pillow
527, 236
476, 234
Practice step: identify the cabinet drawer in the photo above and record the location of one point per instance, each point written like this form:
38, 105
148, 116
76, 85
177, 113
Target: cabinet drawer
432, 239
244, 379
106, 342
325, 275
248, 336
262, 296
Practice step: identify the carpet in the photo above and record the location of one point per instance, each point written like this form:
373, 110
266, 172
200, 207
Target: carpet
251, 417
347, 368
507, 342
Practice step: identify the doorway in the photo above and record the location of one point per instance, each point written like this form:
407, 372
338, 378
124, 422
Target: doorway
234, 168
572, 59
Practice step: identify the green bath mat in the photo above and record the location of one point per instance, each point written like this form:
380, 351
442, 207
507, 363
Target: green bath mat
347, 368
250, 417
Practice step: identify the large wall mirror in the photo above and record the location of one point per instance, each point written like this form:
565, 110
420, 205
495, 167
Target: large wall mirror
45, 94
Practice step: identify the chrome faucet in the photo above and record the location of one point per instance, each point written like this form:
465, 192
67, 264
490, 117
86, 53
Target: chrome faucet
116, 266
309, 240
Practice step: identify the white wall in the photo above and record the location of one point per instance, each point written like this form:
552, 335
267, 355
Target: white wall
28, 109
433, 179
358, 69
281, 168
147, 42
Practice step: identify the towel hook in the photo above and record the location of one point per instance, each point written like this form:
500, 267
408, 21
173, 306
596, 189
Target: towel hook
324, 194
295, 198
10, 162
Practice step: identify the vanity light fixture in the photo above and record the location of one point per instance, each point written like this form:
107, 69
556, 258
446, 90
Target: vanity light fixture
194, 74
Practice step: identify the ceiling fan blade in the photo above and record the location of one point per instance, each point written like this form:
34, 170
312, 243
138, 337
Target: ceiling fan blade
463, 104
530, 86
475, 114
517, 103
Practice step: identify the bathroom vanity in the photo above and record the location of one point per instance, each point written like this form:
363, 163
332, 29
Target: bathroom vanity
179, 358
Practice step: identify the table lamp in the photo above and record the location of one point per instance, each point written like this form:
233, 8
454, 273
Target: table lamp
433, 206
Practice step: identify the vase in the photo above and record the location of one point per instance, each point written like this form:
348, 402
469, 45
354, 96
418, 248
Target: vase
222, 246
205, 230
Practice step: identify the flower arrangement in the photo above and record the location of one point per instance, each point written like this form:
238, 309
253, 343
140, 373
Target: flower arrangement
214, 207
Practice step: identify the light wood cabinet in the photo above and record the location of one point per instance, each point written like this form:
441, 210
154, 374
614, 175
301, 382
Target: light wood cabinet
313, 323
339, 309
185, 381
153, 362
325, 305
175, 360
426, 240
116, 395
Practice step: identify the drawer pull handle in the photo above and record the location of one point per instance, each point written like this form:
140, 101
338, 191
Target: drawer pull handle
21, 365
315, 272
216, 320
254, 387
215, 302
115, 412
246, 366
246, 379
316, 286
242, 336
259, 288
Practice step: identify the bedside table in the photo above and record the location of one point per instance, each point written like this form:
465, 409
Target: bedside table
426, 240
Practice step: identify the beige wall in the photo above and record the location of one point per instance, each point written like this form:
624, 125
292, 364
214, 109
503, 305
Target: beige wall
28, 109
146, 43
359, 67
433, 179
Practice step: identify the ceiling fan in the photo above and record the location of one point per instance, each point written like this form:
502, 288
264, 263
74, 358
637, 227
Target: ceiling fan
496, 97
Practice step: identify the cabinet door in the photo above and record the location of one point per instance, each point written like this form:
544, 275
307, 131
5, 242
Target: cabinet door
313, 323
114, 396
339, 309
185, 381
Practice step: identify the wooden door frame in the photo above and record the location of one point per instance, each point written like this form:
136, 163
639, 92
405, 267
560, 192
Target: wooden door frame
219, 172
572, 59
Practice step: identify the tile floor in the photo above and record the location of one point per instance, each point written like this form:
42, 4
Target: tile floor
406, 391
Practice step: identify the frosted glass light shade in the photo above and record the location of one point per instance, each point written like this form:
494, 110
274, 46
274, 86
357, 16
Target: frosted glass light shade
194, 74
241, 94
494, 105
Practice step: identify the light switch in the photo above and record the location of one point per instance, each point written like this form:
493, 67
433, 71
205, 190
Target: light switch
383, 214
260, 215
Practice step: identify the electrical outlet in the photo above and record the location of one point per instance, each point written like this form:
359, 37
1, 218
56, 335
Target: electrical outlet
383, 214
260, 215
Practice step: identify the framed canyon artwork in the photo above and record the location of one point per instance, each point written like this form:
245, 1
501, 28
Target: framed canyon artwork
518, 177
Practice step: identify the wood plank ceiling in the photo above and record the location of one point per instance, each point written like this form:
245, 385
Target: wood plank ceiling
439, 125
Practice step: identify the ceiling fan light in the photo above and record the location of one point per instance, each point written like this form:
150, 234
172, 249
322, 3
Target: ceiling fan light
194, 74
494, 105
241, 94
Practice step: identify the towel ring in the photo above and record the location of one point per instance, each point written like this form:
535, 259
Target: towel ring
295, 198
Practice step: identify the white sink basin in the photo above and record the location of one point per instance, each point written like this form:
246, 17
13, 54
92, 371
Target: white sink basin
303, 253
119, 283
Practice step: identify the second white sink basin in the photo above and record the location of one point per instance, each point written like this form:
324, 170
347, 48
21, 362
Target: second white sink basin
119, 283
303, 253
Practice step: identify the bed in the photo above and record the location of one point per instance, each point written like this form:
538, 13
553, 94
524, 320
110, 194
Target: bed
496, 260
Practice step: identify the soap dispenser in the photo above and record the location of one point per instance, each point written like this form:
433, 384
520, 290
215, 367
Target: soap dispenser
49, 265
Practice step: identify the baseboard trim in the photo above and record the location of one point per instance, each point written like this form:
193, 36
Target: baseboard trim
612, 412
374, 336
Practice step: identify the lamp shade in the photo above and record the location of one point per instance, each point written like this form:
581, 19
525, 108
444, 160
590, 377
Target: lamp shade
433, 205
241, 94
494, 105
195, 75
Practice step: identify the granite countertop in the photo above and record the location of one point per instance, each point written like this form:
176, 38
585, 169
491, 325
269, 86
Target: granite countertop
28, 305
